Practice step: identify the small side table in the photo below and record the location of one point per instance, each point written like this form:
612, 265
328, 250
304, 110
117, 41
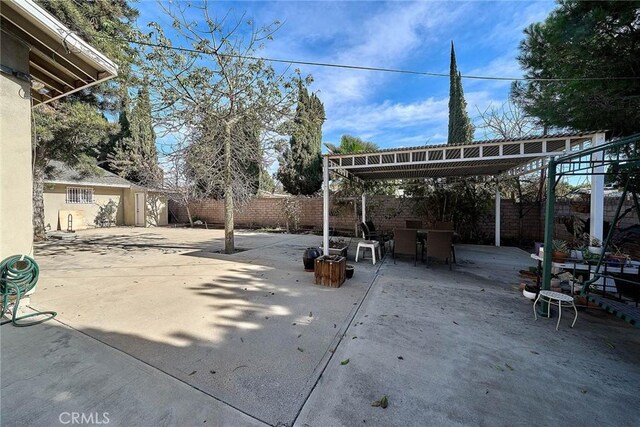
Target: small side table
558, 299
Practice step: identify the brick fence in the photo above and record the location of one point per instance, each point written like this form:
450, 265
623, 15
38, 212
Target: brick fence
389, 212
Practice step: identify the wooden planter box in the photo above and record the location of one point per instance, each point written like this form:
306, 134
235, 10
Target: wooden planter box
342, 251
330, 270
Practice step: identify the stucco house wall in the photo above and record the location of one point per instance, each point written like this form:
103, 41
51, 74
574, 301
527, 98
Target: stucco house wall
106, 186
157, 209
56, 208
16, 229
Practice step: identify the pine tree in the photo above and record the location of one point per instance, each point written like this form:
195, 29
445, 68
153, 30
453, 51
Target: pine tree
460, 127
301, 164
136, 157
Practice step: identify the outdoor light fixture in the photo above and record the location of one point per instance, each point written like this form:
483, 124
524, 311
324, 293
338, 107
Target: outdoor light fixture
38, 86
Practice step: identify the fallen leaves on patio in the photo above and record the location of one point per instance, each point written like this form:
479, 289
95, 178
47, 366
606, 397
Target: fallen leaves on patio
383, 403
345, 362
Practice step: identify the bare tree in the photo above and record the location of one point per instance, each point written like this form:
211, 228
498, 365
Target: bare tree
509, 121
215, 93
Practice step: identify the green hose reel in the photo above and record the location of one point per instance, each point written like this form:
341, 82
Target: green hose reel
18, 275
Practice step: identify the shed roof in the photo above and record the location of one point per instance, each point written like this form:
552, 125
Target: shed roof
488, 157
58, 58
61, 173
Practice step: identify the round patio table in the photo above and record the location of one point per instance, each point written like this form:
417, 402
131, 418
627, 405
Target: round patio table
558, 299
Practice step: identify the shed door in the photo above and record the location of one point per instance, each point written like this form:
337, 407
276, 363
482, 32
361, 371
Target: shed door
139, 209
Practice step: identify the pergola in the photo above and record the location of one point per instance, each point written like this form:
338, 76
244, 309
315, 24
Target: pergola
499, 158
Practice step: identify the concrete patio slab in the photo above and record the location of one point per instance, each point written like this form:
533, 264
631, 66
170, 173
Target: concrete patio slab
255, 341
68, 374
250, 329
461, 347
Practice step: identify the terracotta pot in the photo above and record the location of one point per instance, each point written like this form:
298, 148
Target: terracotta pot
309, 258
558, 256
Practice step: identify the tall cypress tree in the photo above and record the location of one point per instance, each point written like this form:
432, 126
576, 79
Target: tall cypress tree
136, 156
301, 164
460, 127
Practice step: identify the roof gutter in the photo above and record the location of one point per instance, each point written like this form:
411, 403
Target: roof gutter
86, 184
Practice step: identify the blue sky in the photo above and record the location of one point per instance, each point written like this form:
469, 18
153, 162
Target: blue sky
393, 110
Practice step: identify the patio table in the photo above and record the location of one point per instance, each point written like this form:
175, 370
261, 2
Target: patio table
558, 299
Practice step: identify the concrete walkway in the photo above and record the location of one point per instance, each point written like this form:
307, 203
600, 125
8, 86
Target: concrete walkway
157, 329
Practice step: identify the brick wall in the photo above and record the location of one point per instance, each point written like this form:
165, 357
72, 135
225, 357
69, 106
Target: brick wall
389, 212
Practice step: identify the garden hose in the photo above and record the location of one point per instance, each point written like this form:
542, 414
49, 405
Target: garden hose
18, 275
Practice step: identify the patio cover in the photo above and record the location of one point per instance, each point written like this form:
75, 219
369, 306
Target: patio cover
498, 158
60, 62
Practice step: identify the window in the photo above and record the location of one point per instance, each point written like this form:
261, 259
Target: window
79, 195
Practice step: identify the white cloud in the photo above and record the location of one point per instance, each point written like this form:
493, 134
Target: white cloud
394, 123
379, 35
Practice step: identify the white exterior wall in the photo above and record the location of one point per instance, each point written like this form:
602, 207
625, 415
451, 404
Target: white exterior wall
16, 182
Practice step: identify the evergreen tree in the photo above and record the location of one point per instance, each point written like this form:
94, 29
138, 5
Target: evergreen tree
583, 62
74, 129
352, 144
136, 157
460, 127
301, 164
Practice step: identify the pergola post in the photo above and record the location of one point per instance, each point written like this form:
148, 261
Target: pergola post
325, 205
548, 232
364, 207
597, 190
497, 235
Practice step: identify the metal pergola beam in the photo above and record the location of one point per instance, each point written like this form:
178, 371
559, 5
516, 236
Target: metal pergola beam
492, 157
483, 158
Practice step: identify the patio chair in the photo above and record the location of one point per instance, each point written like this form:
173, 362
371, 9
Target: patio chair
368, 234
439, 246
384, 236
405, 242
447, 226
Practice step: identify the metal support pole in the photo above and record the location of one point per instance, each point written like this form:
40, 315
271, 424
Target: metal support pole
497, 215
364, 207
597, 191
325, 205
549, 220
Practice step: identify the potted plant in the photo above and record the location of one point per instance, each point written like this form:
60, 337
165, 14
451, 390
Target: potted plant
309, 258
530, 291
576, 248
560, 250
618, 258
595, 246
337, 247
349, 271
